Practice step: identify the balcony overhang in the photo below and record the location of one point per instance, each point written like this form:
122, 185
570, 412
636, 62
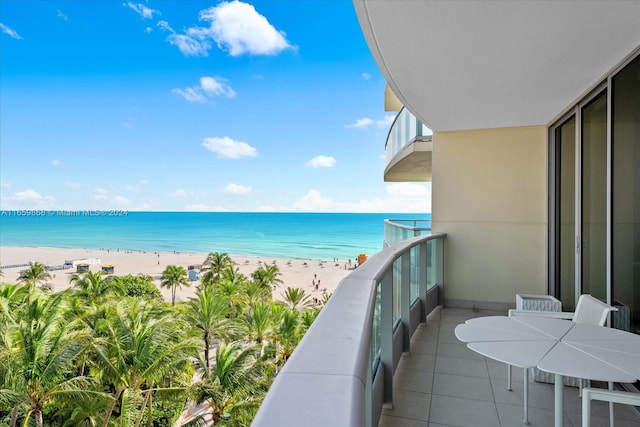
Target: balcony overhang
493, 64
412, 163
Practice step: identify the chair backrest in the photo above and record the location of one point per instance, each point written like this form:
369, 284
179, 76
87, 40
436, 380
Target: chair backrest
591, 310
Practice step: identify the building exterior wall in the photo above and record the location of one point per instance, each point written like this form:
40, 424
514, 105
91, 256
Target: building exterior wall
489, 194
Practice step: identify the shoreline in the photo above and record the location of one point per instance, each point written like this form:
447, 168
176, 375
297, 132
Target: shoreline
295, 272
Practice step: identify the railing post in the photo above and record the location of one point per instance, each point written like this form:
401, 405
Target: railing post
440, 269
405, 300
368, 389
386, 337
422, 280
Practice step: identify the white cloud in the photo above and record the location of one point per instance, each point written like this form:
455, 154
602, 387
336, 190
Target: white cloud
142, 10
10, 32
27, 195
401, 198
314, 202
148, 30
232, 188
62, 15
361, 123
366, 76
386, 122
239, 28
209, 86
235, 27
321, 162
190, 94
188, 45
165, 26
27, 199
366, 122
407, 190
56, 163
229, 148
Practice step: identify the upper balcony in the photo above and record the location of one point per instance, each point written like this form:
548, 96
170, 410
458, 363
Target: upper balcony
408, 149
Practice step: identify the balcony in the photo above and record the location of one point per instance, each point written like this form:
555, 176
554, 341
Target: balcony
408, 150
397, 230
382, 353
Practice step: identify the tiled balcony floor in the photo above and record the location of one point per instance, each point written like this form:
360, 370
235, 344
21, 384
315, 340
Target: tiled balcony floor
443, 383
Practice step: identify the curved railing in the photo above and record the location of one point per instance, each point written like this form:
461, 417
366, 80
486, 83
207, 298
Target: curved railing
405, 129
397, 230
341, 373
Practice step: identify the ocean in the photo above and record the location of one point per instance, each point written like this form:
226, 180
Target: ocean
280, 235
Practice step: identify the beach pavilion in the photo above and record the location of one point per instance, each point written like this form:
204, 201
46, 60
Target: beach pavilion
525, 118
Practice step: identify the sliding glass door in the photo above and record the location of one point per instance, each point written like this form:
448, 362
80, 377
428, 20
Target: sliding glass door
594, 216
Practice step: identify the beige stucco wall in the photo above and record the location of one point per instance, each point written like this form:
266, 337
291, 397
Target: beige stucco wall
489, 196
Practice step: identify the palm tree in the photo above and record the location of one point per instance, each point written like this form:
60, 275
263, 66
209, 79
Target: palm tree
174, 276
37, 358
208, 314
214, 265
37, 273
94, 286
296, 299
11, 298
235, 384
254, 291
267, 275
259, 323
143, 346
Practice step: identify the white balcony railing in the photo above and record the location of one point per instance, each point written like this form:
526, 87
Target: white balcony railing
404, 131
341, 373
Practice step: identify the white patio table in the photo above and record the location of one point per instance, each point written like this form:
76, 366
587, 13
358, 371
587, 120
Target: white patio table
557, 346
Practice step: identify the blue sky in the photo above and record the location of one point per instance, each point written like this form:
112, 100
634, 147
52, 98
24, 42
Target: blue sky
193, 106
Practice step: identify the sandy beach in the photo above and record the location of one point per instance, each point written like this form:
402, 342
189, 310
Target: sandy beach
295, 273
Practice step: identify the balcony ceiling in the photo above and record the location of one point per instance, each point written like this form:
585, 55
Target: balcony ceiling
485, 64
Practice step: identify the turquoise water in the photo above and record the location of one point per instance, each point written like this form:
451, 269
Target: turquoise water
281, 235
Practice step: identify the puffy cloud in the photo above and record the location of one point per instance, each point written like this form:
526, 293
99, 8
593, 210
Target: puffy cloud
314, 202
208, 87
360, 123
407, 190
239, 28
27, 199
366, 122
235, 27
401, 198
321, 162
10, 32
56, 163
229, 148
27, 195
142, 10
232, 188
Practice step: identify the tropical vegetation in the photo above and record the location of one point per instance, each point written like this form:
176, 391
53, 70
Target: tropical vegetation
109, 351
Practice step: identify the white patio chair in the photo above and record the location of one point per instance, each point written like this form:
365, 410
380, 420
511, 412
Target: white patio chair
611, 396
588, 310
